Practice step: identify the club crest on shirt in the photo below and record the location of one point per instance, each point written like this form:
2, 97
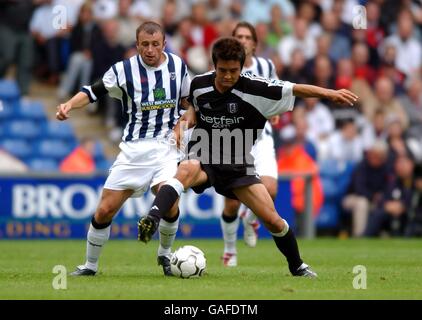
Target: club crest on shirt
159, 94
173, 76
232, 107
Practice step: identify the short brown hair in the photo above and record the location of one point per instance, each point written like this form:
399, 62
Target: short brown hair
247, 25
228, 49
150, 27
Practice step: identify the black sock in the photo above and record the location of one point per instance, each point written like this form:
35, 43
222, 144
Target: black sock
97, 225
288, 246
163, 202
228, 219
172, 219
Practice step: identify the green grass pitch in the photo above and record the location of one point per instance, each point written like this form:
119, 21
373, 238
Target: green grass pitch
128, 270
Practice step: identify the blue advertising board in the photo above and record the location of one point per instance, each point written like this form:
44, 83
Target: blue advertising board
43, 207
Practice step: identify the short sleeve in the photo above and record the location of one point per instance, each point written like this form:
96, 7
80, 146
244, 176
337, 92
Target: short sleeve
185, 85
269, 97
111, 83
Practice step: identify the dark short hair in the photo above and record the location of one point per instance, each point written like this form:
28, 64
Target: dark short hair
247, 25
228, 49
150, 27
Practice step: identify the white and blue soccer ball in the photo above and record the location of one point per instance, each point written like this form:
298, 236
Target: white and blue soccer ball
188, 262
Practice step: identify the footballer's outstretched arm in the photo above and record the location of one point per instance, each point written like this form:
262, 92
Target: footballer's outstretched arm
81, 99
342, 96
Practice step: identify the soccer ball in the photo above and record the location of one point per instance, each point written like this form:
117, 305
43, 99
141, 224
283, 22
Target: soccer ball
188, 262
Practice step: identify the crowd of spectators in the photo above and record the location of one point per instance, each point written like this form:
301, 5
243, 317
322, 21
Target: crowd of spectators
310, 41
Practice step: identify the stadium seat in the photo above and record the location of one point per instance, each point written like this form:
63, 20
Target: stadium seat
103, 165
331, 190
17, 147
335, 177
328, 216
53, 148
42, 164
6, 110
98, 152
9, 90
58, 130
31, 110
23, 129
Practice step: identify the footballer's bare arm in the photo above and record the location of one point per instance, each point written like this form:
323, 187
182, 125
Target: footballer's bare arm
190, 115
79, 100
342, 96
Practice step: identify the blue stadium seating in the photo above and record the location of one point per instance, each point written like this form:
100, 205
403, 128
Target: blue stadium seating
6, 110
26, 133
30, 110
98, 152
53, 148
18, 147
58, 130
22, 129
43, 164
335, 177
9, 90
103, 165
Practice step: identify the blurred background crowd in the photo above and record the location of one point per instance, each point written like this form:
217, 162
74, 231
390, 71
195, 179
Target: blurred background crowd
365, 160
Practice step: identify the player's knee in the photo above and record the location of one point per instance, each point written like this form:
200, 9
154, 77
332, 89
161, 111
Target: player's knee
274, 223
104, 213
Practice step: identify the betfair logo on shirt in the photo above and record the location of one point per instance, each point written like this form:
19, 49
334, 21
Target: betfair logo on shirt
159, 94
221, 122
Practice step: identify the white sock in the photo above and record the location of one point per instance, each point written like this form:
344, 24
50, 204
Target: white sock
229, 234
176, 184
283, 232
96, 239
167, 235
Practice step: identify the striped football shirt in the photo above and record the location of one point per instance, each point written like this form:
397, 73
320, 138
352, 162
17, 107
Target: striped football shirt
150, 96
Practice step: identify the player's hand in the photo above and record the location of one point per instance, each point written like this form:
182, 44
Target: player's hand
63, 111
343, 96
179, 132
189, 116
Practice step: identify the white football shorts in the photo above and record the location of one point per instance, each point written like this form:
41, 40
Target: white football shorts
142, 164
264, 154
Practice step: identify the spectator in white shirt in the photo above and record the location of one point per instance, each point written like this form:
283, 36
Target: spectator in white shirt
346, 144
409, 49
299, 39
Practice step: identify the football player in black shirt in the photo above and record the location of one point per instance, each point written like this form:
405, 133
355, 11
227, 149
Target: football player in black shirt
228, 103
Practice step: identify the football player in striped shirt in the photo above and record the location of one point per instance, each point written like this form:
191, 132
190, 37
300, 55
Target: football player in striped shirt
151, 87
230, 104
263, 152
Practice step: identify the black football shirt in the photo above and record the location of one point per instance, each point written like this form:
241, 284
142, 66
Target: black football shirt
228, 123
